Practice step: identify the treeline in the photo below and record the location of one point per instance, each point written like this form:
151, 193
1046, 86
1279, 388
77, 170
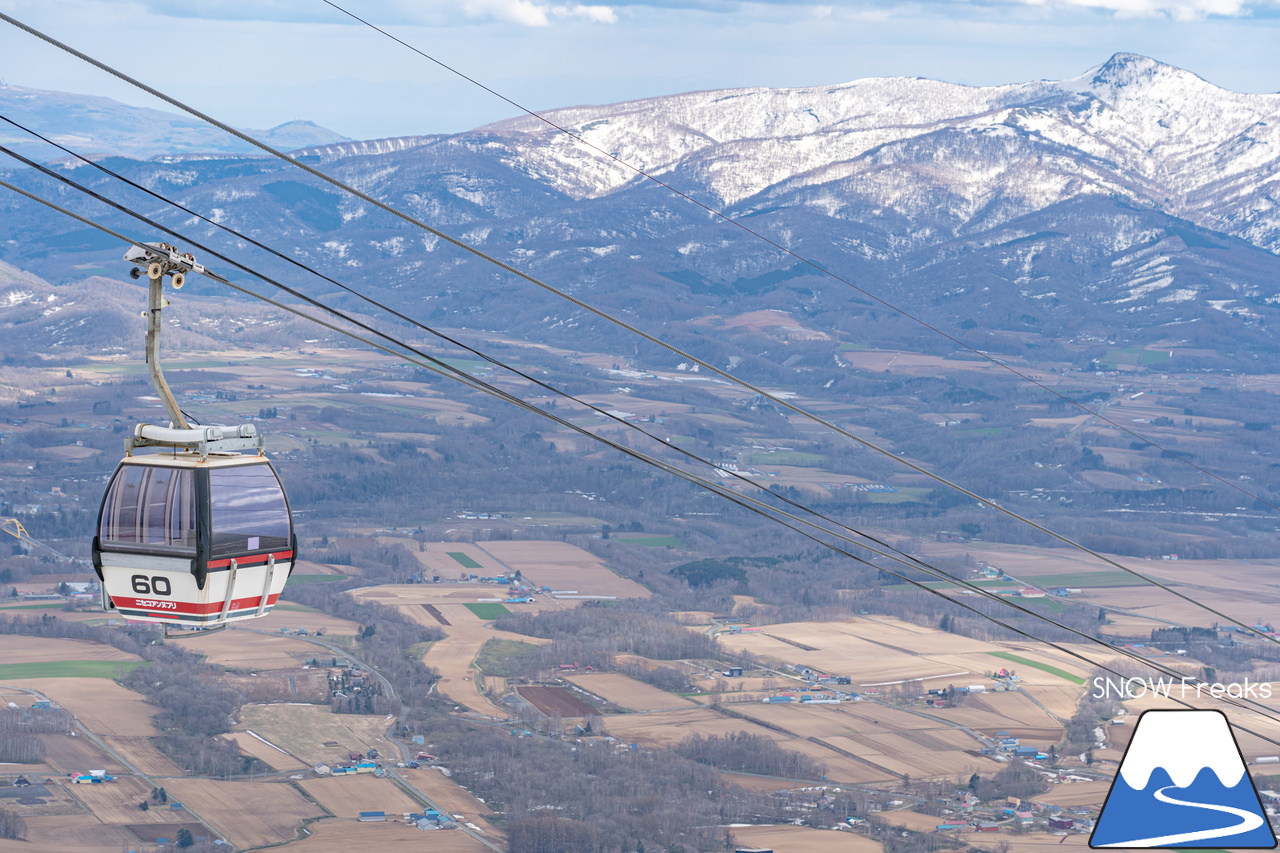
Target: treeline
743, 752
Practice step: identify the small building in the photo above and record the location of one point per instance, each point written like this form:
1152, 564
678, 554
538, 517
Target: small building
372, 817
42, 705
321, 769
1061, 823
988, 827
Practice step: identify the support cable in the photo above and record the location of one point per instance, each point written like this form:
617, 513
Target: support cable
776, 400
785, 519
650, 338
721, 215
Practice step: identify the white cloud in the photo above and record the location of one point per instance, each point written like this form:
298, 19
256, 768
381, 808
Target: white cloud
1179, 10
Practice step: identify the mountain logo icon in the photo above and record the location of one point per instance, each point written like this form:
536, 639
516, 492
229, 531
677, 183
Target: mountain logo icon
1183, 782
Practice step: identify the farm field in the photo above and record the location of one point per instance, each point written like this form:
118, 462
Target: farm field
900, 743
455, 596
667, 728
287, 614
347, 796
142, 754
103, 706
249, 814
627, 692
67, 754
77, 833
437, 558
67, 669
1012, 712
269, 755
241, 649
847, 648
304, 730
17, 649
559, 565
117, 802
346, 835
555, 701
1077, 794
803, 839
1236, 587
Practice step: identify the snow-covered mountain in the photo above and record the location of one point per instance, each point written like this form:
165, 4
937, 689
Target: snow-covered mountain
1136, 200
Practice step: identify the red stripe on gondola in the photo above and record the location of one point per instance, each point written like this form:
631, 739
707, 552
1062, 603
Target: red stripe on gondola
251, 560
167, 607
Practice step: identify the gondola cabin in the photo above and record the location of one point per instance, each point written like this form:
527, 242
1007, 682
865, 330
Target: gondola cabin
194, 534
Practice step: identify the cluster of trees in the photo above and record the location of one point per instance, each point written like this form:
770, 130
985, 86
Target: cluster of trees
19, 728
600, 630
657, 800
12, 826
744, 752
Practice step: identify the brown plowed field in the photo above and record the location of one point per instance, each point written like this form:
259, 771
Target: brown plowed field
345, 835
249, 814
151, 832
347, 796
117, 802
802, 839
76, 833
559, 565
294, 616
554, 701
19, 649
78, 754
435, 613
1076, 794
270, 756
627, 692
237, 649
142, 754
103, 706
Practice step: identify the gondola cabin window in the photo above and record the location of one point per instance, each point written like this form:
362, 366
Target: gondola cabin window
249, 510
153, 507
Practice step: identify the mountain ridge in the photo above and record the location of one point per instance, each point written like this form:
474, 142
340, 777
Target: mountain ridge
1131, 199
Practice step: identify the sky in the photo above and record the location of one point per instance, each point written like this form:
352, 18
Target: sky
259, 63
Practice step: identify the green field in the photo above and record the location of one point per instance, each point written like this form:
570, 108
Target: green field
296, 580
1043, 667
1134, 356
1085, 580
488, 609
68, 669
463, 560
504, 658
653, 541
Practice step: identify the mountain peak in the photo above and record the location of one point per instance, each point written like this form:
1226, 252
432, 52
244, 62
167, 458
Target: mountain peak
1134, 71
